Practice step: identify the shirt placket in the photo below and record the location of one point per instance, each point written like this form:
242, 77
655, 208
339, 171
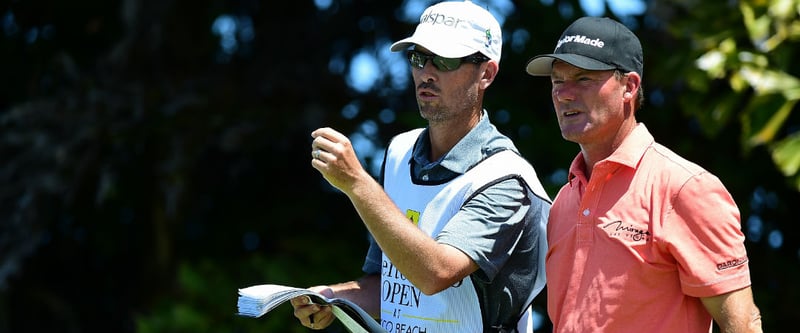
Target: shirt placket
590, 201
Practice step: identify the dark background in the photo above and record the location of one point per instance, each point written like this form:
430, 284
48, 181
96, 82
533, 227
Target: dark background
152, 163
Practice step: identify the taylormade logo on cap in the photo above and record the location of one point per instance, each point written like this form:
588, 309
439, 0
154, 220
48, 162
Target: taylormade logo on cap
580, 39
456, 29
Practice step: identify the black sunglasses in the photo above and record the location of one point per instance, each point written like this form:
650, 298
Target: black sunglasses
418, 60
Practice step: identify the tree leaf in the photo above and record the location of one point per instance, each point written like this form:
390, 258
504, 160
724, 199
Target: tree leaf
763, 118
786, 155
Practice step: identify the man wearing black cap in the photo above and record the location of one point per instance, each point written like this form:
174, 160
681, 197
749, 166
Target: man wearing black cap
640, 239
458, 222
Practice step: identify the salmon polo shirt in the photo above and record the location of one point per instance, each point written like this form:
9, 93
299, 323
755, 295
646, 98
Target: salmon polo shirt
633, 248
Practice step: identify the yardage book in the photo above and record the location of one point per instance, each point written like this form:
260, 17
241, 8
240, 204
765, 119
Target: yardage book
256, 301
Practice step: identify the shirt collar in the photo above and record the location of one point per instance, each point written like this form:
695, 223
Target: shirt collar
629, 153
461, 157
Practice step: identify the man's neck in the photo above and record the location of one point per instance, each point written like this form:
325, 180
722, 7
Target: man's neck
445, 135
593, 153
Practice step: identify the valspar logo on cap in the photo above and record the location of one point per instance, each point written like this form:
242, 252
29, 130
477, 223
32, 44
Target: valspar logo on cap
437, 18
454, 22
580, 39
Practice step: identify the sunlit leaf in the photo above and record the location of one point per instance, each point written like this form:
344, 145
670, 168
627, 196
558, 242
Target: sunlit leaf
713, 63
766, 81
757, 59
786, 154
763, 118
793, 29
757, 25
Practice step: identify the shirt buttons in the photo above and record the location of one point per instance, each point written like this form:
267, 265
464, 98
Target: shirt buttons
586, 212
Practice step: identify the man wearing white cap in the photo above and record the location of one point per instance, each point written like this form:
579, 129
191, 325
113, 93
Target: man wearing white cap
458, 221
641, 239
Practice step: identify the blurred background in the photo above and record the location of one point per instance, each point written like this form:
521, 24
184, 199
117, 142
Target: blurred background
156, 153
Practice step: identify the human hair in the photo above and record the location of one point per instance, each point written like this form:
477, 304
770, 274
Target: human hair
618, 74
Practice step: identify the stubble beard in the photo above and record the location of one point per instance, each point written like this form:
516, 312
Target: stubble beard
431, 112
435, 112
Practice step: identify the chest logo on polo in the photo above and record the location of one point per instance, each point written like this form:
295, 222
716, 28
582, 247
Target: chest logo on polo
618, 229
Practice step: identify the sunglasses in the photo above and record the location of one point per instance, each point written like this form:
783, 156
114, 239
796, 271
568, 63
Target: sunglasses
418, 60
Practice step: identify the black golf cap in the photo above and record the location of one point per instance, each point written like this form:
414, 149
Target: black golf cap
593, 43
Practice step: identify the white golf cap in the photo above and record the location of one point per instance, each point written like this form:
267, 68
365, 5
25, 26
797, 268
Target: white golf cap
455, 29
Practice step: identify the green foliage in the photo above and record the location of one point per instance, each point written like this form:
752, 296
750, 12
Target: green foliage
785, 154
757, 70
734, 78
148, 174
762, 118
203, 293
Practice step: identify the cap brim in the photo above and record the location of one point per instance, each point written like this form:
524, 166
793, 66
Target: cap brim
542, 65
439, 47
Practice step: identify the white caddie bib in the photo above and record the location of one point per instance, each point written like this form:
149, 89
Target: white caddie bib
405, 309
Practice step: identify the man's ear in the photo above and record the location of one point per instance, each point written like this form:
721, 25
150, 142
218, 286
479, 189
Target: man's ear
490, 73
632, 84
